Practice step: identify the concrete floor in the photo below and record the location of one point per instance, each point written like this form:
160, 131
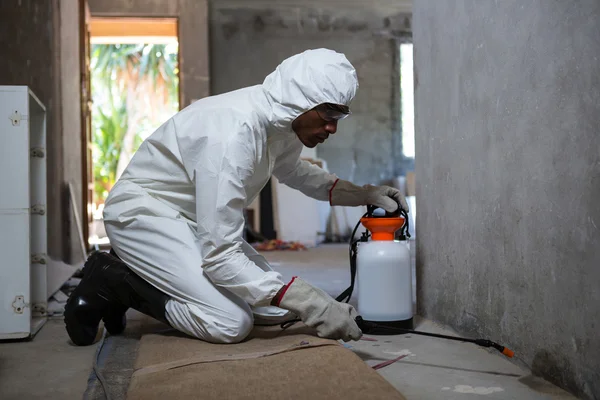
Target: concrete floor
442, 369
48, 367
434, 368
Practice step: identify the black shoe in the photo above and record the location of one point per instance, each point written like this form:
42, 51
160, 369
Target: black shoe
115, 320
108, 288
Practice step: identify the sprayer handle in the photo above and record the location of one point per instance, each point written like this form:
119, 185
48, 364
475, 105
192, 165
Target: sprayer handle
394, 214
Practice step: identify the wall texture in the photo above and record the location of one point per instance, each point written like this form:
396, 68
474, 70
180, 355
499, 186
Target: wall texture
248, 39
70, 94
508, 167
30, 51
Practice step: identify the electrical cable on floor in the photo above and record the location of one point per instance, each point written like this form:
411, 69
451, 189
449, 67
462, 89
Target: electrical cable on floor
97, 371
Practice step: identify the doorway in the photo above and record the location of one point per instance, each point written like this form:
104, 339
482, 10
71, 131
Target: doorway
134, 74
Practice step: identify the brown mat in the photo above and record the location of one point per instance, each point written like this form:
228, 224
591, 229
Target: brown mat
271, 364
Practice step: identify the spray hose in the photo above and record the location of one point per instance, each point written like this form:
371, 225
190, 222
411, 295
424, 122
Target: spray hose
367, 327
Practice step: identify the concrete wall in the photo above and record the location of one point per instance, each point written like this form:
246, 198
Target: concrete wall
70, 92
248, 39
508, 167
31, 53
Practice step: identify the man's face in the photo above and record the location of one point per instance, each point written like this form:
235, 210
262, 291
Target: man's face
315, 126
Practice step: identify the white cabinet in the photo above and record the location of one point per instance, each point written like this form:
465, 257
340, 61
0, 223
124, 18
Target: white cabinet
23, 231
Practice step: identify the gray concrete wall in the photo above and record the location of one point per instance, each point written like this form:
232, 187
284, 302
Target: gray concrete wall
248, 39
70, 93
28, 45
508, 171
39, 47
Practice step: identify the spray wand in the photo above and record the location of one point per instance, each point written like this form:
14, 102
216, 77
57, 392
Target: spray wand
370, 327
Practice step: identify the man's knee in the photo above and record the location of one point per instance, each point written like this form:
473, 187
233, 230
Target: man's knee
232, 330
225, 322
218, 326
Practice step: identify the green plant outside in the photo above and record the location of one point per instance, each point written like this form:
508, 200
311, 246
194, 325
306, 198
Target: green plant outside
135, 89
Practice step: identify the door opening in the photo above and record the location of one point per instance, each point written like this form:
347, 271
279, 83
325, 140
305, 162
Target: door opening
135, 88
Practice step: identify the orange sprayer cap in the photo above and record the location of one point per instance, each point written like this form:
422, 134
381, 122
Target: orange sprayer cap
382, 228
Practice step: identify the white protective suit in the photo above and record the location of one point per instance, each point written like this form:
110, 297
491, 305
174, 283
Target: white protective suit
176, 214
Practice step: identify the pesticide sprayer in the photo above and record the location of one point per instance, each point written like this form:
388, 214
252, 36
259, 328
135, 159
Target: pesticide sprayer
380, 264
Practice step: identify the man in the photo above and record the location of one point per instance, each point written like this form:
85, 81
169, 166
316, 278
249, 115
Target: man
175, 217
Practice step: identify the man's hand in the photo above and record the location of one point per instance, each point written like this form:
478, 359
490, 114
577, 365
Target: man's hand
331, 319
345, 193
386, 197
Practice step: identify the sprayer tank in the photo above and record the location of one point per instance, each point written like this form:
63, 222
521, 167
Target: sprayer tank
384, 281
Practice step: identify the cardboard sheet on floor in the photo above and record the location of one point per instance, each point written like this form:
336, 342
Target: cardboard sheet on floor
271, 364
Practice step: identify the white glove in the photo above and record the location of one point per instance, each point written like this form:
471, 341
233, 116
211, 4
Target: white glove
346, 193
331, 319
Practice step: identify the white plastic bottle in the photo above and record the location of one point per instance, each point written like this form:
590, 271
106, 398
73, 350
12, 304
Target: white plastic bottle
384, 276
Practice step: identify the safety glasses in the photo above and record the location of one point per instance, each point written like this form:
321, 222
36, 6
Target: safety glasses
332, 112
